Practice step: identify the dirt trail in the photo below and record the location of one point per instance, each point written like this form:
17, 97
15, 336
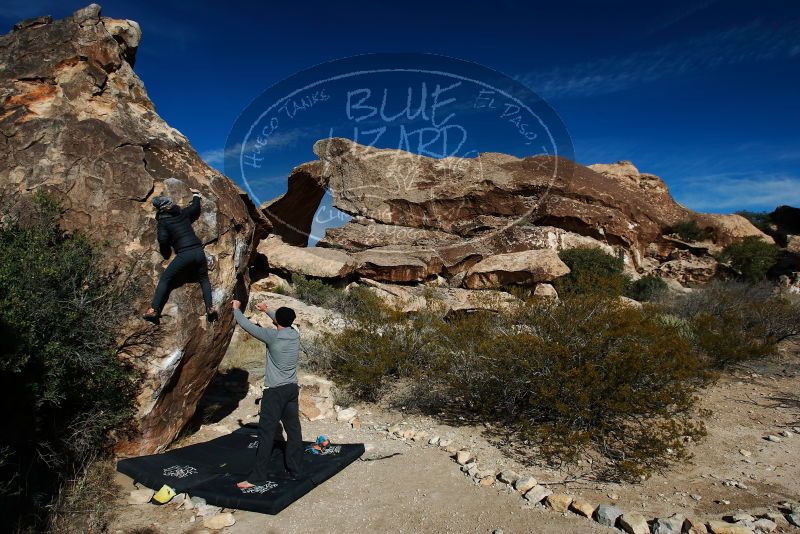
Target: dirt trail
421, 489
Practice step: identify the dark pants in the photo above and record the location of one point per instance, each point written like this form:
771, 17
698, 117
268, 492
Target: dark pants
280, 403
190, 264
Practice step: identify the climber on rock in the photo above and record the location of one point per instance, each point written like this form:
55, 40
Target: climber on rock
281, 393
175, 232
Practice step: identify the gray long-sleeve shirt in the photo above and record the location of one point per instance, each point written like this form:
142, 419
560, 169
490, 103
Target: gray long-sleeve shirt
283, 347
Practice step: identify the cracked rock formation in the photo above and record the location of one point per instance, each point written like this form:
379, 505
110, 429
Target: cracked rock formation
76, 123
416, 217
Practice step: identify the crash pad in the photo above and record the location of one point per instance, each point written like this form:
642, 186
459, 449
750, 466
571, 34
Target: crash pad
211, 470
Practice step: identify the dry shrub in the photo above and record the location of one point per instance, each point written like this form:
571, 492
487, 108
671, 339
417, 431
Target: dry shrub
377, 344
730, 322
586, 373
85, 504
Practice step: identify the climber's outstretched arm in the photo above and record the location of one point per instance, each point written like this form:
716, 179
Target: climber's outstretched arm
262, 307
193, 209
267, 335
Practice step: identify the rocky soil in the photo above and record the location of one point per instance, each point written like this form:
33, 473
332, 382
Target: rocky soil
405, 484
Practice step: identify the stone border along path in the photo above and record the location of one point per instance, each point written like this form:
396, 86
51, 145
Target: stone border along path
605, 514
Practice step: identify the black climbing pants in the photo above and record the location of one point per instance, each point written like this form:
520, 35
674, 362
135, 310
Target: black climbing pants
278, 403
190, 263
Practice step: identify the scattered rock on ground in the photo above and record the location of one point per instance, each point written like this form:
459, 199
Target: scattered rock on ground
669, 525
508, 476
219, 521
559, 502
694, 526
525, 483
207, 510
463, 457
140, 496
723, 527
346, 415
607, 515
764, 525
582, 507
537, 493
316, 397
633, 523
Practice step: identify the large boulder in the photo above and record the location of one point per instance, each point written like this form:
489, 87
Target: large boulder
441, 299
727, 229
523, 268
463, 210
316, 262
77, 124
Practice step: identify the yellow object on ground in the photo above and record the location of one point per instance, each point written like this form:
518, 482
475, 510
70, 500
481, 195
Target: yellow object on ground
164, 495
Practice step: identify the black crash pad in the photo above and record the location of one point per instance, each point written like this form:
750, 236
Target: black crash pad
211, 470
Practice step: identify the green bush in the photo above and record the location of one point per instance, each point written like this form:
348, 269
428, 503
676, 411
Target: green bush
646, 288
751, 257
592, 271
316, 292
690, 231
59, 374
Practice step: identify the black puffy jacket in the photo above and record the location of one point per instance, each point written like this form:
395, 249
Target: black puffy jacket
175, 228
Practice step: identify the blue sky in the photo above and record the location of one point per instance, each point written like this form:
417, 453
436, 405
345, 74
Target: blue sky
704, 94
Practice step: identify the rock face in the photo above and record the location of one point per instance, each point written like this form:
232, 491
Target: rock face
523, 268
442, 299
416, 217
316, 397
77, 124
316, 262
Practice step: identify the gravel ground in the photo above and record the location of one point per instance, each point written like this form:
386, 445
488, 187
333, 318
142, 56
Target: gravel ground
420, 489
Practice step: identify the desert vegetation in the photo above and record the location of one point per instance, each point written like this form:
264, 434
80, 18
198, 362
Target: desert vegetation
690, 231
751, 257
584, 375
61, 382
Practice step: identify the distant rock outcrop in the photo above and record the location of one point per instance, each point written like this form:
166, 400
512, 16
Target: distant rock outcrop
77, 123
416, 217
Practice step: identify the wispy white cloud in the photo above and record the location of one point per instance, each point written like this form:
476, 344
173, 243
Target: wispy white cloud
752, 43
738, 191
285, 139
682, 14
